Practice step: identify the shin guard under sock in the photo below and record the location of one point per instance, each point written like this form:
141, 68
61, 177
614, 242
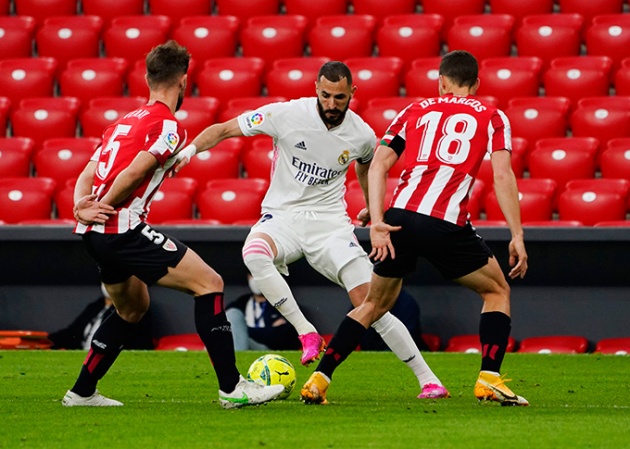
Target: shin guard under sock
105, 346
494, 331
345, 340
216, 333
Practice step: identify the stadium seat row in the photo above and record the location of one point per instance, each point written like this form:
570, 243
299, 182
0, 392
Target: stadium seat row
561, 344
279, 36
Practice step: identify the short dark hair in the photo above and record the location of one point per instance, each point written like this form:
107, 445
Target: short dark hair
334, 71
460, 67
166, 63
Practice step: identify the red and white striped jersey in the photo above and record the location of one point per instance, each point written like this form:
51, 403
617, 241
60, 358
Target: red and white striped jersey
444, 140
151, 128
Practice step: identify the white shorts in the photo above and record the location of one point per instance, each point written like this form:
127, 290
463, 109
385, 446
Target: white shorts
327, 241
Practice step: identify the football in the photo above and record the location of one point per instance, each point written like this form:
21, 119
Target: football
273, 369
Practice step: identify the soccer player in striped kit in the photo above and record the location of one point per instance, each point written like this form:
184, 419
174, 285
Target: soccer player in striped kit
443, 141
112, 199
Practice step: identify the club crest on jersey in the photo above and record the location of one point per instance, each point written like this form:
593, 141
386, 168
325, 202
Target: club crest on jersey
344, 157
169, 245
171, 139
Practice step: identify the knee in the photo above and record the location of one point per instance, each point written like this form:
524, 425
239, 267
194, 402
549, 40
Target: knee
258, 257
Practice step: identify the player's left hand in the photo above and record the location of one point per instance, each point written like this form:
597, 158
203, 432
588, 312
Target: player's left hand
364, 216
183, 158
87, 211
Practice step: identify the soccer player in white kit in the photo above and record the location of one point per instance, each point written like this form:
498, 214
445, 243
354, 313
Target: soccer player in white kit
304, 213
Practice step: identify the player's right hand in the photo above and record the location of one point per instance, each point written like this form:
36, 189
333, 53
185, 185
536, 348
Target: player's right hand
381, 241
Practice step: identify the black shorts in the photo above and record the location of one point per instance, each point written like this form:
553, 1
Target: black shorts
142, 252
454, 250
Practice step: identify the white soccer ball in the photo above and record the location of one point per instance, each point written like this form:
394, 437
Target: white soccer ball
273, 369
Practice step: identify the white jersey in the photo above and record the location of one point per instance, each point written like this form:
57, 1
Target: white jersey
310, 161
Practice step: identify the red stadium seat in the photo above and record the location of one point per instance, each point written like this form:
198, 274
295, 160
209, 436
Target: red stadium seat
380, 112
603, 118
229, 200
41, 9
132, 37
433, 342
64, 203
621, 80
520, 9
422, 79
380, 9
451, 9
178, 9
244, 9
554, 224
15, 156
69, 37
16, 36
536, 203
182, 184
103, 111
409, 37
484, 35
5, 7
170, 205
470, 343
27, 77
227, 78
273, 37
477, 200
563, 159
591, 207
578, 77
181, 342
103, 9
376, 77
342, 37
355, 201
238, 106
617, 346
620, 186
293, 77
615, 159
197, 113
222, 161
258, 160
612, 224
208, 37
5, 106
26, 199
507, 78
535, 118
314, 10
93, 77
219, 162
609, 36
63, 159
45, 118
566, 344
550, 36
589, 9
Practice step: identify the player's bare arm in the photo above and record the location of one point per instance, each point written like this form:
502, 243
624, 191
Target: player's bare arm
208, 138
506, 190
362, 176
86, 210
384, 160
128, 179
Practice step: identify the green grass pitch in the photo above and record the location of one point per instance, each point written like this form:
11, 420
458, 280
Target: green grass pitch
577, 401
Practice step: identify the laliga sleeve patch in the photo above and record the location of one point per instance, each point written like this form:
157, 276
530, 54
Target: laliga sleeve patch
171, 139
255, 119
